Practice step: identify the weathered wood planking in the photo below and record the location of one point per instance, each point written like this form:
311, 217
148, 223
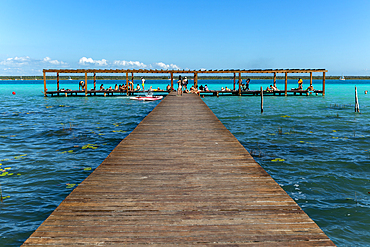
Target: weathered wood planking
180, 178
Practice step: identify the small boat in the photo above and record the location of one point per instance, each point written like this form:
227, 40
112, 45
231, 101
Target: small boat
69, 79
342, 78
147, 98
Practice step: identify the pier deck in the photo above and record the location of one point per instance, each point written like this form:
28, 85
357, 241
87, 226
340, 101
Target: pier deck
180, 178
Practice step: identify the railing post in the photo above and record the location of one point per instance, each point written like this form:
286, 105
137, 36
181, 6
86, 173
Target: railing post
261, 100
44, 84
323, 84
234, 81
94, 81
171, 81
57, 81
286, 83
85, 83
196, 80
240, 84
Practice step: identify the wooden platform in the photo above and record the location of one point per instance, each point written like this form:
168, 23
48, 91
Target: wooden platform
107, 93
180, 178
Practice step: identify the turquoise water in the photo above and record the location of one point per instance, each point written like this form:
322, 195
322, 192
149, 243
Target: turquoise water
315, 147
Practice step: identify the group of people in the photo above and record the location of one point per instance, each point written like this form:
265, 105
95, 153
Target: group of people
300, 86
183, 87
272, 88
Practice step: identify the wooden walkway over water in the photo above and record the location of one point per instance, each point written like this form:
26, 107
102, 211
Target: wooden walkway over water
180, 178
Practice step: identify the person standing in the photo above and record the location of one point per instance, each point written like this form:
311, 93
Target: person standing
247, 84
81, 84
179, 86
185, 83
143, 83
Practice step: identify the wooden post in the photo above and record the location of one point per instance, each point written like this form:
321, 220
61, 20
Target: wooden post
234, 81
323, 84
261, 100
240, 84
44, 84
172, 81
195, 79
310, 79
286, 83
132, 79
357, 105
94, 81
57, 81
85, 83
127, 85
274, 78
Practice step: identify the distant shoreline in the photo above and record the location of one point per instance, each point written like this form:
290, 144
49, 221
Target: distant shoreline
82, 77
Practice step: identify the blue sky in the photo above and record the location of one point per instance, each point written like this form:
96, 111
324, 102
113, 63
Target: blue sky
232, 34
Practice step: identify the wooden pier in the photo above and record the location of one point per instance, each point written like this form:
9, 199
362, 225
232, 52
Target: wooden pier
180, 178
129, 90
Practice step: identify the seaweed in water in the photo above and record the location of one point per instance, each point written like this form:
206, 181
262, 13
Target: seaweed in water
340, 106
256, 153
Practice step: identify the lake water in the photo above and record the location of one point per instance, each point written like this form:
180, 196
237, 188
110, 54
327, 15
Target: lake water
317, 148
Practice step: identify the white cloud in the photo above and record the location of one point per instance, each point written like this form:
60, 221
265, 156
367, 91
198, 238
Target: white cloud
27, 61
130, 64
28, 66
90, 61
18, 61
165, 66
55, 62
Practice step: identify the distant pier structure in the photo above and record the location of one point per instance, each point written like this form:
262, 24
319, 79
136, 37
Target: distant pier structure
237, 85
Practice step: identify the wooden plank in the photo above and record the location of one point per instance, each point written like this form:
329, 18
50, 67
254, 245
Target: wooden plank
164, 186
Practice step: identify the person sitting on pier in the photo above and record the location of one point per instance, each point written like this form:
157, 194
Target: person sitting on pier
206, 88
274, 87
81, 84
137, 87
110, 88
130, 85
168, 88
101, 87
222, 89
116, 87
201, 88
310, 88
227, 89
244, 87
194, 90
247, 84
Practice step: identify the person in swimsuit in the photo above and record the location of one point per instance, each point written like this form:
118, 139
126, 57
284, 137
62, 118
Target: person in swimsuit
179, 86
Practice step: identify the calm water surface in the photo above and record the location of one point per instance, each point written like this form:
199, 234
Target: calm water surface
315, 147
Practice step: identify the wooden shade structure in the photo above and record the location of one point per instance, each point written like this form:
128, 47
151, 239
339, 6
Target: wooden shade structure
195, 72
